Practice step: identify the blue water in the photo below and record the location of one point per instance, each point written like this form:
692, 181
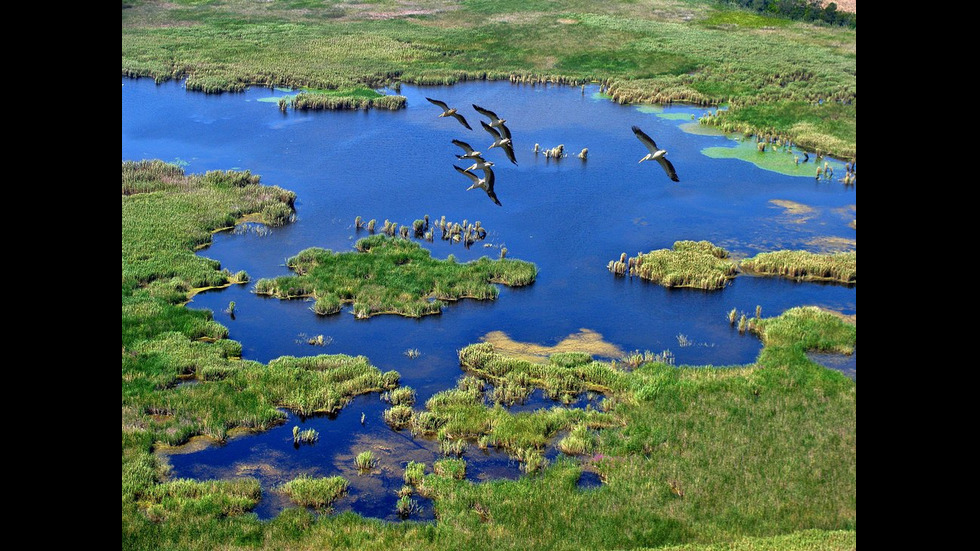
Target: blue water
570, 217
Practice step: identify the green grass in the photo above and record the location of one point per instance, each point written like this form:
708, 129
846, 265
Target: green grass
657, 51
700, 265
319, 492
391, 276
804, 265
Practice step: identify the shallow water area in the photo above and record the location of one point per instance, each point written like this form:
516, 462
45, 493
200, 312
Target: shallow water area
568, 216
845, 363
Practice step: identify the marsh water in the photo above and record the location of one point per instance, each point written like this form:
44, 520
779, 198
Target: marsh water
569, 216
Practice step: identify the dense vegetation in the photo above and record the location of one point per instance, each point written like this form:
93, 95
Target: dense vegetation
802, 10
752, 457
640, 51
697, 264
391, 275
804, 265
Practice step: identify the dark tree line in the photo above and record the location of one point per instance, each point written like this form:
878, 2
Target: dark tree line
801, 10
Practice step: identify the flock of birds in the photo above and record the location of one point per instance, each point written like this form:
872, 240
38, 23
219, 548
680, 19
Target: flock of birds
502, 139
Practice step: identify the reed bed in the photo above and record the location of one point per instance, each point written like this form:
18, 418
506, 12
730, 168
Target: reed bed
391, 276
318, 101
803, 265
696, 264
463, 232
316, 492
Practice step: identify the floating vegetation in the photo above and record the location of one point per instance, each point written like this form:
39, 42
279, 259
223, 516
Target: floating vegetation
391, 276
781, 158
803, 265
319, 493
696, 264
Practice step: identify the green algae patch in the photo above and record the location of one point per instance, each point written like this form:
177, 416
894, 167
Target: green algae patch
389, 275
650, 109
783, 161
675, 116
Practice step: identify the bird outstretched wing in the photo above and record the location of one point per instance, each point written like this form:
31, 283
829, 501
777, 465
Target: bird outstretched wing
647, 140
466, 147
468, 174
439, 103
488, 128
486, 112
669, 168
462, 121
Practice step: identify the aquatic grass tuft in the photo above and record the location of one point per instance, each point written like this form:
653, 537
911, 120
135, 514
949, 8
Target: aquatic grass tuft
308, 436
414, 471
319, 493
450, 467
365, 462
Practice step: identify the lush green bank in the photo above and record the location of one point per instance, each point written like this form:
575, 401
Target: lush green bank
750, 457
772, 75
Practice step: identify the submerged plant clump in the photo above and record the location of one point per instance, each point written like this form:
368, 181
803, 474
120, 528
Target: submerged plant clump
391, 276
697, 264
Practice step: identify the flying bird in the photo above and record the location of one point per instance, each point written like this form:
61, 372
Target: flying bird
450, 112
494, 119
478, 164
470, 152
656, 154
485, 183
502, 140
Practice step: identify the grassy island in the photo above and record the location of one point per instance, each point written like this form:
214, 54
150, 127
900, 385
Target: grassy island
695, 264
802, 265
389, 275
777, 76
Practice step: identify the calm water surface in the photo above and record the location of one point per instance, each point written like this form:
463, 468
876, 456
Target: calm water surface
570, 217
